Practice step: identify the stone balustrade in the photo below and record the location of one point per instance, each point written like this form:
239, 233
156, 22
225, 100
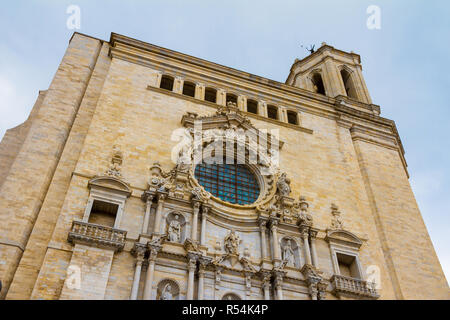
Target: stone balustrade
97, 235
353, 286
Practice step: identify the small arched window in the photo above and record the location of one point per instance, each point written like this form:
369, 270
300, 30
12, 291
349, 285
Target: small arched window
272, 112
189, 89
231, 98
292, 117
211, 95
348, 84
252, 106
318, 83
166, 83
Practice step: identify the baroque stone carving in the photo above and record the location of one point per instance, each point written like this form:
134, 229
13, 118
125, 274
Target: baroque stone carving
116, 163
167, 294
336, 222
232, 242
283, 185
167, 289
288, 254
174, 230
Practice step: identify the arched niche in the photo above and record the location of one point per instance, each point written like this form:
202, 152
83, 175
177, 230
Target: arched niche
175, 220
231, 296
349, 82
290, 247
167, 289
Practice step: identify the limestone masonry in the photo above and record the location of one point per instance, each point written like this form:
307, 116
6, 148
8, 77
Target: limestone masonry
96, 204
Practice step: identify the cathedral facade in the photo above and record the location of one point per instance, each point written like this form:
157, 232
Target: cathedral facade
145, 173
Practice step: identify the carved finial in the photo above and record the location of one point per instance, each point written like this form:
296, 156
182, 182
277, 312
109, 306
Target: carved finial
116, 163
336, 222
283, 185
303, 204
232, 242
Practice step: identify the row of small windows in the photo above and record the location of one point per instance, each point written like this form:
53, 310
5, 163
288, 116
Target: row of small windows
167, 83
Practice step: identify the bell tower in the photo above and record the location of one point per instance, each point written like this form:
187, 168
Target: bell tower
330, 72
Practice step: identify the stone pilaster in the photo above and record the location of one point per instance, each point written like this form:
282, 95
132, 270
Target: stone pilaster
192, 266
161, 198
148, 287
139, 250
205, 210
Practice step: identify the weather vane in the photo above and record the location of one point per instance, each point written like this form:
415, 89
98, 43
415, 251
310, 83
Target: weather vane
310, 49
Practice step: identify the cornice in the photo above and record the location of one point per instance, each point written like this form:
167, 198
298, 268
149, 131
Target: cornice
143, 53
135, 51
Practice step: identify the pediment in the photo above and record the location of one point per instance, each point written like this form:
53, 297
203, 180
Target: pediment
227, 118
343, 236
235, 262
110, 183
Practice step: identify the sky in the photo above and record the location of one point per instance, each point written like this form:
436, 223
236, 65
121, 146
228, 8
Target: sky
405, 62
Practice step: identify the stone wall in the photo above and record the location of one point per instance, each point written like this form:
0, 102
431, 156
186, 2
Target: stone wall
114, 104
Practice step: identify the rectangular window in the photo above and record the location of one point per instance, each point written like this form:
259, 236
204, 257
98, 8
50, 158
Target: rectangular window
103, 213
348, 266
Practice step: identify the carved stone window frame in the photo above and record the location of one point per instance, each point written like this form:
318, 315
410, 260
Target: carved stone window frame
107, 189
230, 120
345, 243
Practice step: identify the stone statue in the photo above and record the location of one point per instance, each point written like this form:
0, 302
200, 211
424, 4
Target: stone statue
174, 230
166, 293
283, 185
288, 254
232, 241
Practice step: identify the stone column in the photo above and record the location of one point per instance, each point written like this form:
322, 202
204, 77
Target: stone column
195, 221
305, 236
150, 271
248, 284
161, 197
266, 285
203, 262
279, 285
313, 235
139, 250
313, 291
201, 280
147, 214
192, 265
205, 210
276, 247
262, 230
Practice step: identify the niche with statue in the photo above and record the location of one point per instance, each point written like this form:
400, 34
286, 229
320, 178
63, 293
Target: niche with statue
290, 253
175, 227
